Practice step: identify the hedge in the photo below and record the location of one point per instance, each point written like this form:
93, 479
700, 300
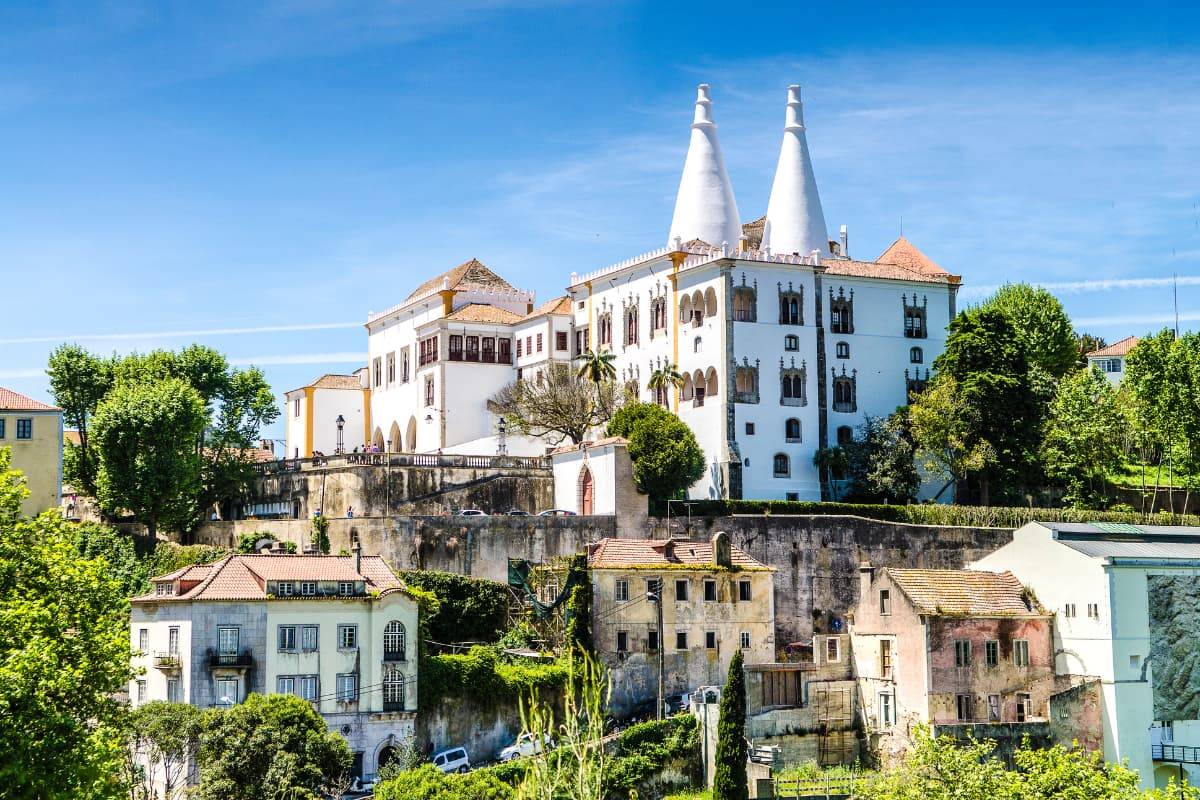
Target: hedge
469, 609
934, 514
482, 674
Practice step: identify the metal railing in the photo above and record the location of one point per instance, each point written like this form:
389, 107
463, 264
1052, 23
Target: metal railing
242, 660
1176, 753
402, 460
394, 655
166, 660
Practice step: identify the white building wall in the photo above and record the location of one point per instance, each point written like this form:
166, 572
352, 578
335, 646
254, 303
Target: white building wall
295, 424
568, 466
328, 404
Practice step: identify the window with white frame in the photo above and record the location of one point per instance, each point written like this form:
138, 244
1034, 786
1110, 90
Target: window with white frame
285, 684
347, 687
833, 650
347, 637
962, 653
144, 640
287, 638
308, 587
744, 590
229, 691
173, 640
991, 652
885, 602
744, 640
310, 687
308, 638
993, 701
621, 590
966, 707
227, 640
395, 641
1021, 652
173, 690
346, 587
285, 588
141, 691
887, 711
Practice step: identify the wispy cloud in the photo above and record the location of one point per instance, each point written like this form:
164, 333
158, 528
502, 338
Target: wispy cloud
94, 337
1136, 319
1099, 285
356, 358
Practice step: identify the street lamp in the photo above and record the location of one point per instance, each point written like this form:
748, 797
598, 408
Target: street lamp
341, 423
502, 442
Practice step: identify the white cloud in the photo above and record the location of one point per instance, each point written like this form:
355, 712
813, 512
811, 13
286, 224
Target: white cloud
351, 357
95, 337
1099, 285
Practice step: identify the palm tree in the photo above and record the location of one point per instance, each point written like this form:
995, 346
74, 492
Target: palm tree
664, 379
598, 366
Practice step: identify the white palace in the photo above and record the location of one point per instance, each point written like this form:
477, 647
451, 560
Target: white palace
785, 341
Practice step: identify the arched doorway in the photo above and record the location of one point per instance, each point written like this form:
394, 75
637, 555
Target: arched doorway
394, 442
410, 440
377, 440
386, 754
586, 491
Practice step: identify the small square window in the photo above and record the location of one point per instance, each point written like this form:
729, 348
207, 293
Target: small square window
346, 587
652, 641
744, 590
621, 590
24, 428
749, 428
308, 587
681, 640
681, 591
347, 637
744, 639
792, 497
286, 588
710, 640
622, 642
710, 590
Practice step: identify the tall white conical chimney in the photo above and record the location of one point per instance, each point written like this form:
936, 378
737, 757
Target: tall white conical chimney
795, 222
705, 208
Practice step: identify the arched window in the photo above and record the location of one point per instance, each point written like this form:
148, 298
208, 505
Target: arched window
710, 382
745, 382
791, 306
845, 392
845, 434
791, 342
792, 386
631, 325
782, 465
586, 492
699, 389
843, 349
393, 689
710, 302
394, 642
915, 356
841, 311
697, 309
791, 430
685, 309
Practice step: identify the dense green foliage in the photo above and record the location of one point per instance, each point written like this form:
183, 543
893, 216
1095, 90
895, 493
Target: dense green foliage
937, 514
128, 564
729, 779
643, 750
320, 532
161, 740
942, 769
429, 783
486, 676
469, 609
878, 466
247, 541
270, 746
1041, 326
64, 654
1083, 436
578, 633
144, 435
234, 405
666, 457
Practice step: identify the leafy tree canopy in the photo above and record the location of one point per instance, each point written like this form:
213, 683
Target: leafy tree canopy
1083, 435
559, 404
879, 464
430, 783
1040, 325
666, 457
270, 746
468, 609
64, 654
730, 781
161, 740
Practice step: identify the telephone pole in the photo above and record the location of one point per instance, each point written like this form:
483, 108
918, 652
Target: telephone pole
654, 595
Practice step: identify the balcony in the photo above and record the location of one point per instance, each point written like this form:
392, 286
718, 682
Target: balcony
394, 655
239, 661
393, 705
167, 662
1175, 754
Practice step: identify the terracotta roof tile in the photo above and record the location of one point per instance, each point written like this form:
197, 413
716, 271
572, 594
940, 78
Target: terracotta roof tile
753, 231
559, 305
965, 592
618, 553
244, 576
333, 381
468, 275
1120, 348
482, 312
895, 272
12, 401
904, 253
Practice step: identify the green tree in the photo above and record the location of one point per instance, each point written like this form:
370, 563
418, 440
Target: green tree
320, 529
987, 361
64, 654
78, 382
93, 540
559, 404
468, 609
1088, 343
598, 366
665, 380
944, 429
666, 457
879, 463
1041, 326
268, 747
1083, 436
730, 781
578, 633
145, 435
162, 738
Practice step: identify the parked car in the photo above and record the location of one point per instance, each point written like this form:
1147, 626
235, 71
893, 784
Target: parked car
452, 760
470, 512
516, 512
556, 512
526, 745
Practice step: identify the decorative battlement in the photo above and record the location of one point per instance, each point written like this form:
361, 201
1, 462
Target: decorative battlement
698, 255
514, 295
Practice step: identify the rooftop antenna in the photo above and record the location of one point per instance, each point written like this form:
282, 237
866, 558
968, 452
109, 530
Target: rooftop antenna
901, 224
1175, 291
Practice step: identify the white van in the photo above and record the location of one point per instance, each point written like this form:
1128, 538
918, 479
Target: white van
452, 760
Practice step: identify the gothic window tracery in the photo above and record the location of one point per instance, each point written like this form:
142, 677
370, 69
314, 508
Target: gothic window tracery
915, 317
745, 381
841, 311
745, 302
793, 384
791, 305
845, 391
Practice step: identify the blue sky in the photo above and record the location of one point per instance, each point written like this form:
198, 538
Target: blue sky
258, 180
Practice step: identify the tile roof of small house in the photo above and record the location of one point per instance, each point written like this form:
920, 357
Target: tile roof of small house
966, 592
559, 305
1120, 348
753, 231
895, 272
14, 401
468, 275
334, 381
667, 553
244, 576
482, 312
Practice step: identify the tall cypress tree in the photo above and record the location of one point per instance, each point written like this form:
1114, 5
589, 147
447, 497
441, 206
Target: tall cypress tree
730, 782
579, 608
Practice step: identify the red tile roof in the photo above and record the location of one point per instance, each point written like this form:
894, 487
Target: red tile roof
1120, 348
468, 275
482, 312
966, 592
894, 272
670, 553
904, 253
12, 401
244, 576
559, 305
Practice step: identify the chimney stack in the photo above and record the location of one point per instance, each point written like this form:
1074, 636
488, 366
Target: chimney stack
722, 550
795, 222
705, 208
356, 551
844, 238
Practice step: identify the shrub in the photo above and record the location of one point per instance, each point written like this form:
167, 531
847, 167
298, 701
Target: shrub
484, 676
470, 609
429, 783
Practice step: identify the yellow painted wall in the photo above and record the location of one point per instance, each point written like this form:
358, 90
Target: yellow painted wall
39, 457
